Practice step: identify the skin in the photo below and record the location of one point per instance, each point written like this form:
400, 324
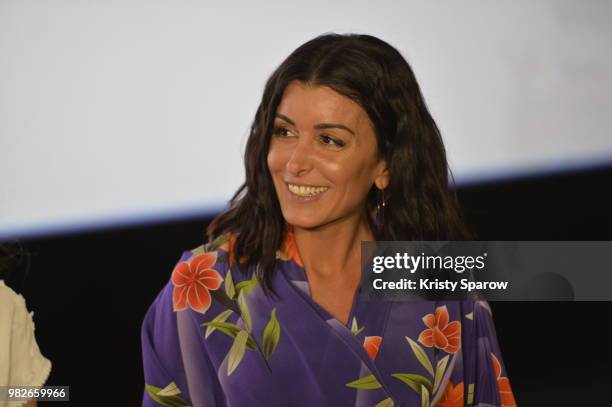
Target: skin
328, 230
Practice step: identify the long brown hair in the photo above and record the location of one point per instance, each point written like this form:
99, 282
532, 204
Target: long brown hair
420, 204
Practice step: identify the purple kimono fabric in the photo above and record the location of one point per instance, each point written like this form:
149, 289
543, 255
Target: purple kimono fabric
213, 338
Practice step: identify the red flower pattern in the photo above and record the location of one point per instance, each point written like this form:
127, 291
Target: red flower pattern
440, 333
372, 344
289, 250
503, 384
453, 396
192, 282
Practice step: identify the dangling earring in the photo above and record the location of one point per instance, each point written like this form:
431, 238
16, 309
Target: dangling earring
380, 209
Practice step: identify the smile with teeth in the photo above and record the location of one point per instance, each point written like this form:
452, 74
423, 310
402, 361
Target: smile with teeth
302, 190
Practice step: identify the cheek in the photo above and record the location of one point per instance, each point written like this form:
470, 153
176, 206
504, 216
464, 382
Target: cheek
350, 174
352, 179
275, 160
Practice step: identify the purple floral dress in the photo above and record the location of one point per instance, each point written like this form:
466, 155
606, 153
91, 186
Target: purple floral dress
213, 338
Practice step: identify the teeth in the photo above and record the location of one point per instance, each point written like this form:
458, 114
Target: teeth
306, 191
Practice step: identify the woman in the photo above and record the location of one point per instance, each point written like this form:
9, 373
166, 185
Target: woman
342, 149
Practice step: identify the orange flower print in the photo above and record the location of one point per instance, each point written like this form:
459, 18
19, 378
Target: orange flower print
440, 333
229, 246
372, 344
503, 384
192, 282
452, 397
289, 250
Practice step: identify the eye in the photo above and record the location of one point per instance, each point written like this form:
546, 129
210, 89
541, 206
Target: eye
332, 141
281, 131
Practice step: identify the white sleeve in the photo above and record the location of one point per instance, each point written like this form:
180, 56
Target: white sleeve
21, 363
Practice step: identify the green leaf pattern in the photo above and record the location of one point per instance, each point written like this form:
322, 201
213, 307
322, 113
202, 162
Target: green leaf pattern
355, 329
168, 396
236, 352
415, 381
367, 382
271, 335
388, 402
419, 383
230, 290
421, 355
222, 317
231, 330
244, 312
247, 285
424, 397
440, 369
235, 294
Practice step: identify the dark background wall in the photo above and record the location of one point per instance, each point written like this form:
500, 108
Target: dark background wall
90, 292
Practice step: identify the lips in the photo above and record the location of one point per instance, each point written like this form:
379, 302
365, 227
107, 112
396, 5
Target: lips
306, 190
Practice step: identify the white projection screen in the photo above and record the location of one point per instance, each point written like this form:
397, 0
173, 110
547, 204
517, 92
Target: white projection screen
124, 112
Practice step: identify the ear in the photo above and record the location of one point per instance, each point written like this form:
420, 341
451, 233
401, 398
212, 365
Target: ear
382, 175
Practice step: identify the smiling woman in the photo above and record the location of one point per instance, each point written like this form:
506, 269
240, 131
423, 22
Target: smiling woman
323, 157
342, 150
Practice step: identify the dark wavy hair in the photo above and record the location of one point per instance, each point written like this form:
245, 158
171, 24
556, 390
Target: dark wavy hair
420, 204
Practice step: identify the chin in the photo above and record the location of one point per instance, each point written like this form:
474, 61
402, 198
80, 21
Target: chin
301, 221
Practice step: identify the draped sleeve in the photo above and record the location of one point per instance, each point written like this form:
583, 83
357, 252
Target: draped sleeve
478, 377
492, 383
179, 367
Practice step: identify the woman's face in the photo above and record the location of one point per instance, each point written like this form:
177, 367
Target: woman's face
322, 156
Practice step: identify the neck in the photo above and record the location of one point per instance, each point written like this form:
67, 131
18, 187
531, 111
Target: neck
333, 249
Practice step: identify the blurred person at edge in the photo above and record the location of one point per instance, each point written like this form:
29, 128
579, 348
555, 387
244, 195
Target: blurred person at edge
342, 149
21, 363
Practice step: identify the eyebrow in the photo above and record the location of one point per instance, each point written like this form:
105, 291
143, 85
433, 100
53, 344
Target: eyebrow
319, 126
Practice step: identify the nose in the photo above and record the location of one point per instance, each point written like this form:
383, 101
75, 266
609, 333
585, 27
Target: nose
300, 160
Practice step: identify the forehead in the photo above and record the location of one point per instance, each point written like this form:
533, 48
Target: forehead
308, 104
